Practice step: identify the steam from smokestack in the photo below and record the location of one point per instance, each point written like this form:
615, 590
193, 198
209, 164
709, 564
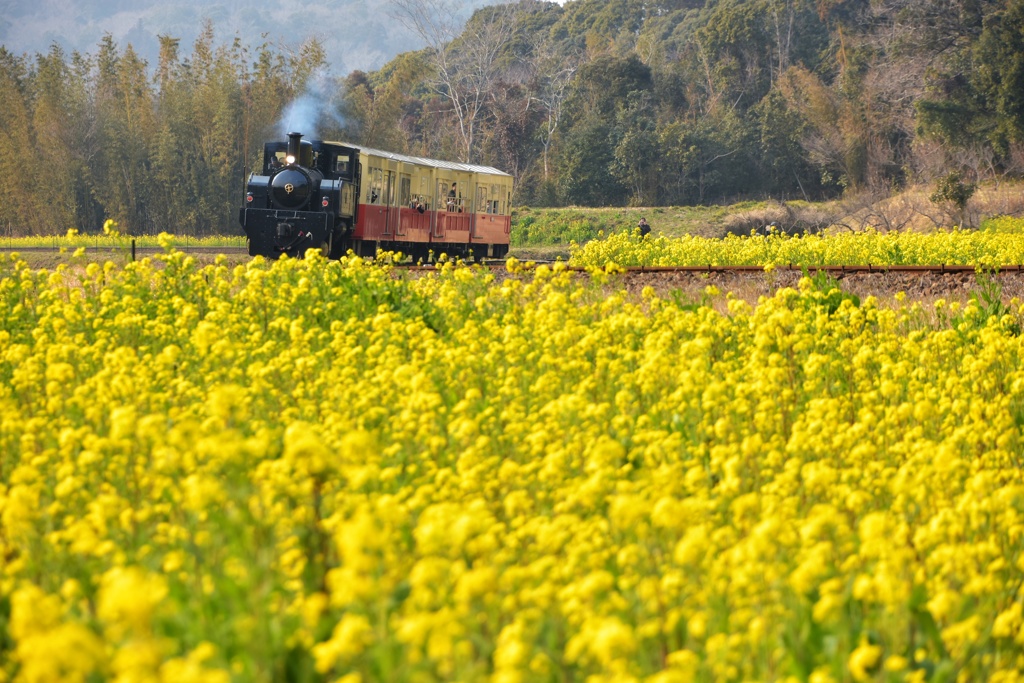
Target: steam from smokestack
302, 114
317, 106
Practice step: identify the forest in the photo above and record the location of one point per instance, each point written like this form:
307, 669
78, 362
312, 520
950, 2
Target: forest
590, 103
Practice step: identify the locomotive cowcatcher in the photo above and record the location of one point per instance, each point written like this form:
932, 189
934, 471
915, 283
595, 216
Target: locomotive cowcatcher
335, 196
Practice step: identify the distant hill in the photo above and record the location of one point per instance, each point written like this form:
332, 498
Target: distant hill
357, 34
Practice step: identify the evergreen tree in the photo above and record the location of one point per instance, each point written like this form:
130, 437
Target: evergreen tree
124, 103
20, 211
64, 141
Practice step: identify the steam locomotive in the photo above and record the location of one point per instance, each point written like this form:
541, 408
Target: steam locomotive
337, 197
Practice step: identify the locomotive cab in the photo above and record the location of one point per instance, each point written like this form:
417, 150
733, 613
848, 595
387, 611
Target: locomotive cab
277, 155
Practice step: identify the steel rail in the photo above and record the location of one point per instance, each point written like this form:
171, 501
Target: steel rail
199, 249
844, 269
533, 264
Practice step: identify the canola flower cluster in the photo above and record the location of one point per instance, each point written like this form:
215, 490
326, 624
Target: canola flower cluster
315, 471
990, 248
1009, 224
113, 238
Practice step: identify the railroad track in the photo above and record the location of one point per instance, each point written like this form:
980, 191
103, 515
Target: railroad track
139, 250
529, 264
847, 269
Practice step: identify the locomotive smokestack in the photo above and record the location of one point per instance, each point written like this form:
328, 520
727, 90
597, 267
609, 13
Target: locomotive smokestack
293, 144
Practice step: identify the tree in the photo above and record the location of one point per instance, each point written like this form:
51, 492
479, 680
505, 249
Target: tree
65, 141
376, 106
679, 154
173, 145
719, 161
952, 193
553, 71
783, 167
600, 90
607, 26
19, 211
465, 64
125, 109
266, 89
636, 154
999, 75
832, 137
512, 118
585, 158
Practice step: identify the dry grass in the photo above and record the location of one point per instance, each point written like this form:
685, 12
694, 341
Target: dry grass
790, 218
911, 209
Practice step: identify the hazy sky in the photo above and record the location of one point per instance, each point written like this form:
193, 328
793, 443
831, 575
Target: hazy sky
358, 34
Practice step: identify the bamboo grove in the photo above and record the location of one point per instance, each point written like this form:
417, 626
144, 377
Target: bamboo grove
84, 138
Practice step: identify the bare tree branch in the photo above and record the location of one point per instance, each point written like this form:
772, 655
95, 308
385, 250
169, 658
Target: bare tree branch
553, 72
466, 60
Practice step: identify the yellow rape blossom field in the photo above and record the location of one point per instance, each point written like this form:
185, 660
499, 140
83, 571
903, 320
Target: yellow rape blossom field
1000, 245
313, 471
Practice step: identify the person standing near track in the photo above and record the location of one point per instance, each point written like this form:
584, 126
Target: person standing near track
645, 228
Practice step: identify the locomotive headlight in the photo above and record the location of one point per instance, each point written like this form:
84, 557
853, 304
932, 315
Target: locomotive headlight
290, 159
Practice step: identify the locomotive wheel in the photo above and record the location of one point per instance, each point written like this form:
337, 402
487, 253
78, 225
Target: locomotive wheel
338, 247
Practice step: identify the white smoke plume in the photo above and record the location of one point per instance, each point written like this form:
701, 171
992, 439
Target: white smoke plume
315, 109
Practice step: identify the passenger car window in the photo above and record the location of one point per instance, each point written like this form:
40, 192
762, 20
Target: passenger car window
405, 191
376, 185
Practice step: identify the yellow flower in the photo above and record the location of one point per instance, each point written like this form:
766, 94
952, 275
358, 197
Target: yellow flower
606, 641
128, 599
863, 661
350, 637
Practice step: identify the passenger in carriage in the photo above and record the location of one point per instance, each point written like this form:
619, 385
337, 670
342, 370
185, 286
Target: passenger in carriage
454, 199
451, 198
